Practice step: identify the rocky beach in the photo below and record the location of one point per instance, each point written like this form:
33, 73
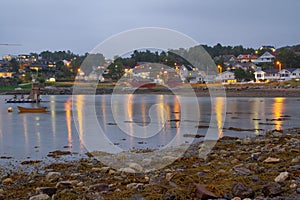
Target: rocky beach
263, 167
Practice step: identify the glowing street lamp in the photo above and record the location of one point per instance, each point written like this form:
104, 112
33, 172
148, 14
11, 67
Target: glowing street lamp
220, 68
279, 65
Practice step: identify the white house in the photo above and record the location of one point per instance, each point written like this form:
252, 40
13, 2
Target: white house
267, 57
267, 75
192, 74
226, 77
296, 73
285, 74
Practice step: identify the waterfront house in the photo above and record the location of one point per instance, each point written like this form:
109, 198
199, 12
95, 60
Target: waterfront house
295, 73
266, 75
285, 74
226, 77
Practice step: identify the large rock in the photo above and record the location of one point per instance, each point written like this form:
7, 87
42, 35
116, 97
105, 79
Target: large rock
240, 190
271, 189
40, 197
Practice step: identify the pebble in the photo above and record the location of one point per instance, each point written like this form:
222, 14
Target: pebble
295, 167
127, 170
282, 177
53, 176
298, 190
293, 185
240, 190
135, 166
47, 190
272, 160
64, 185
259, 198
200, 174
40, 197
169, 176
234, 161
255, 156
236, 198
7, 181
242, 171
271, 189
255, 178
99, 187
296, 160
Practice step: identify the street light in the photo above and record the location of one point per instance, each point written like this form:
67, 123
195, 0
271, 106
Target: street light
220, 68
279, 65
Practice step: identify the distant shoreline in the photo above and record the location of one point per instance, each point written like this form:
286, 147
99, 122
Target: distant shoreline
199, 91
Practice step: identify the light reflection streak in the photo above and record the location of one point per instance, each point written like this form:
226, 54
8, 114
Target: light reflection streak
255, 116
79, 108
130, 113
53, 116
25, 126
219, 107
277, 109
68, 108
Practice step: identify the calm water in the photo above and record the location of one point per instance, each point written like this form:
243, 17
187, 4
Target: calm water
134, 122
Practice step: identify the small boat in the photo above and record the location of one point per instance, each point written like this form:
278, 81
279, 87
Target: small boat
32, 110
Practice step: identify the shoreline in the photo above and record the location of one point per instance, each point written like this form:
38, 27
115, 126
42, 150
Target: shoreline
199, 91
265, 166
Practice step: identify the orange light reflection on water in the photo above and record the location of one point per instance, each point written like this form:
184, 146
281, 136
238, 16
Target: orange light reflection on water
219, 107
277, 109
79, 108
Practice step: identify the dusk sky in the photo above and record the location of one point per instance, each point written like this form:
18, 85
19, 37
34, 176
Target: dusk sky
80, 25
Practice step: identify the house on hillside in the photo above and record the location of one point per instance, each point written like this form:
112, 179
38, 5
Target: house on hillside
267, 57
226, 77
244, 66
267, 75
243, 58
190, 74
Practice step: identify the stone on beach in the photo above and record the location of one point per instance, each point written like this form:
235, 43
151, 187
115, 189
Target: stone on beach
40, 197
240, 190
282, 177
272, 160
53, 176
